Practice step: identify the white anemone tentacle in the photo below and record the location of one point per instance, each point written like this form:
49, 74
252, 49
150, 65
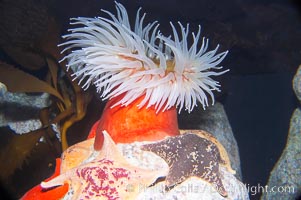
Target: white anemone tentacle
141, 61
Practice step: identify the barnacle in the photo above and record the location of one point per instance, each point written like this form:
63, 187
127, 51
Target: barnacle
141, 61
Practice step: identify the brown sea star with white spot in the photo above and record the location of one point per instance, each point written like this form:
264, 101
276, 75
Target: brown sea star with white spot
190, 155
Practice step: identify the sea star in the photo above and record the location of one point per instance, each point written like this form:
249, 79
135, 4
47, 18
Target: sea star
190, 155
104, 175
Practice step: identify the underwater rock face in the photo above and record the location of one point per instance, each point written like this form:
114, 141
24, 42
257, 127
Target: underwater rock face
27, 108
297, 83
286, 174
214, 120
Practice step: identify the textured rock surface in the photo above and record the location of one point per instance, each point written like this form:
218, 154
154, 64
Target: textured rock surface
214, 120
21, 111
297, 83
286, 174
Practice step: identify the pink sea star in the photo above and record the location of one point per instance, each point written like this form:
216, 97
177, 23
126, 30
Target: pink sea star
107, 176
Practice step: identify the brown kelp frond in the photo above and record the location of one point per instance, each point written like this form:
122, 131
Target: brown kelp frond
53, 70
17, 151
18, 81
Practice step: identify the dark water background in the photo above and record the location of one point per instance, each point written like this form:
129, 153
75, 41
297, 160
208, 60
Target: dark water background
259, 108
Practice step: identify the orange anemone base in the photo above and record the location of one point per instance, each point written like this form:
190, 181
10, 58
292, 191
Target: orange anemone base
127, 124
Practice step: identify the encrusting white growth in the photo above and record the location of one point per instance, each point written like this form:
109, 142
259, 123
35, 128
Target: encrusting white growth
119, 60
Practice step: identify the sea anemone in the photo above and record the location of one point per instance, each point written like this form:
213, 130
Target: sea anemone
145, 76
142, 62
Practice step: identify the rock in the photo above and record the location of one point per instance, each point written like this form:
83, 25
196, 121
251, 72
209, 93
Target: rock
297, 83
20, 111
286, 174
214, 120
25, 126
3, 89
